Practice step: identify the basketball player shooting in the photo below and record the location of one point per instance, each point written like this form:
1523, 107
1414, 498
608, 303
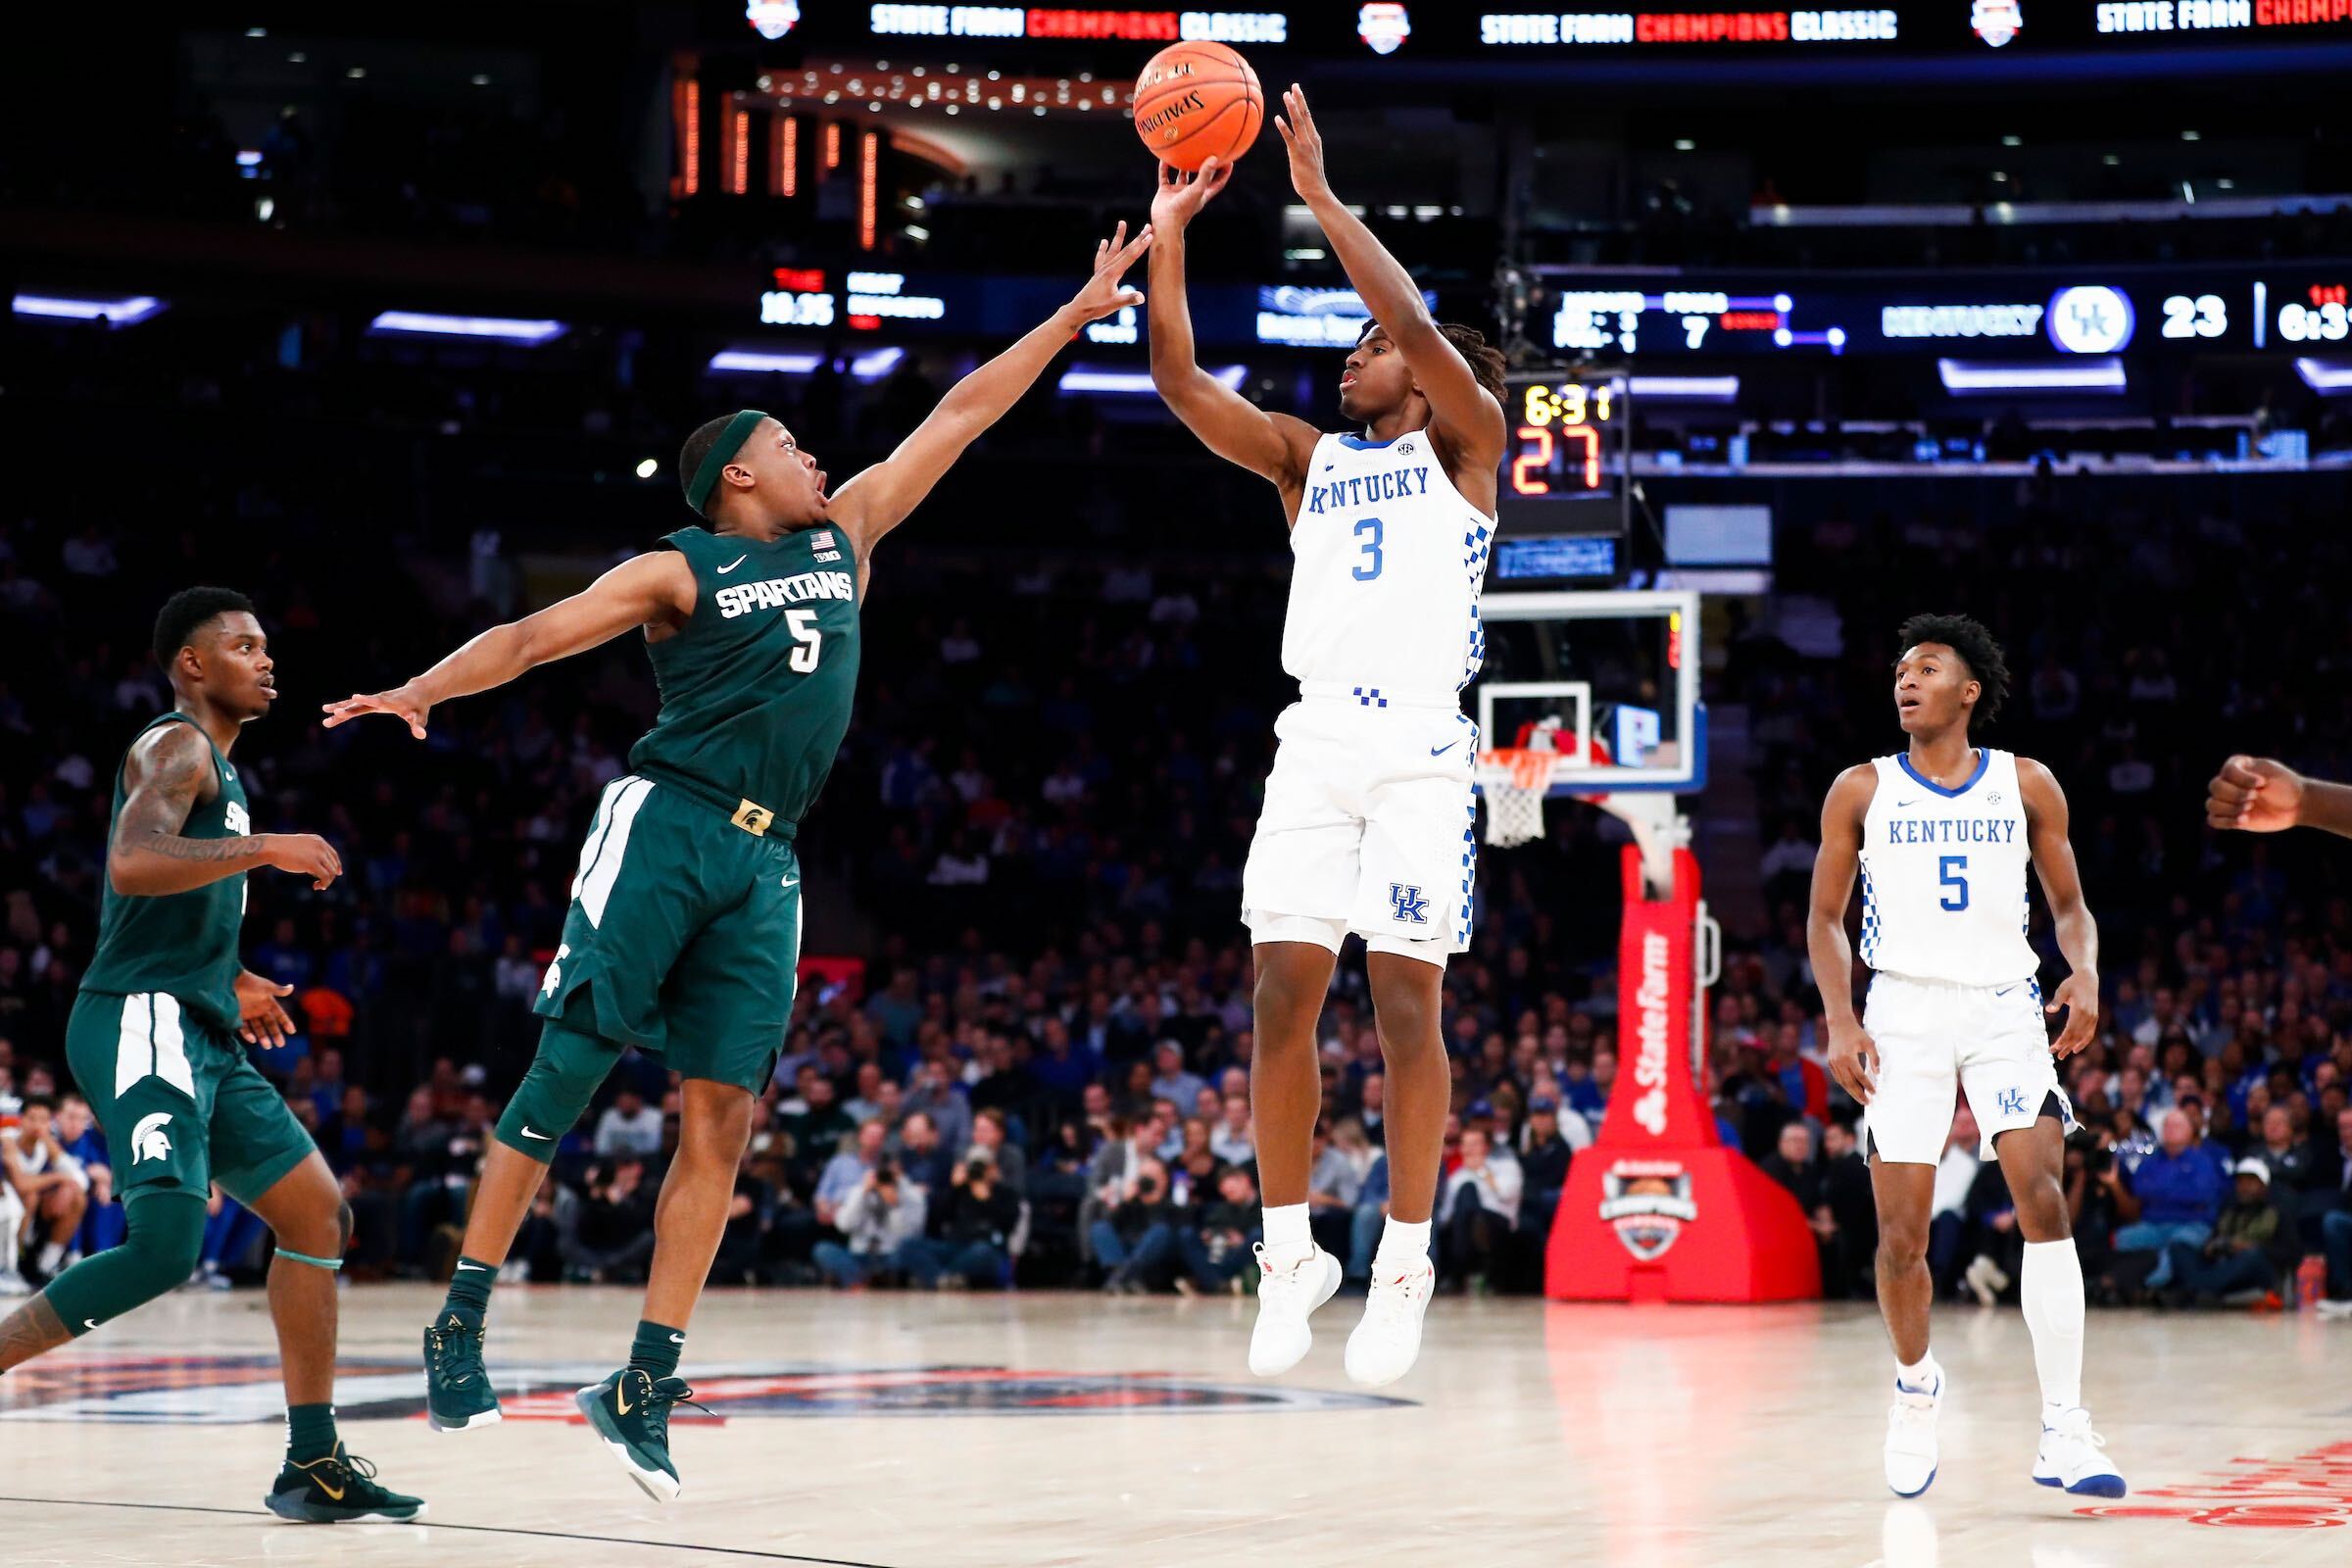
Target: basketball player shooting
1942, 833
1366, 822
684, 933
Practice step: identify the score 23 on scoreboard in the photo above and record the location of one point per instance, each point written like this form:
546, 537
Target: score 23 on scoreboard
1568, 443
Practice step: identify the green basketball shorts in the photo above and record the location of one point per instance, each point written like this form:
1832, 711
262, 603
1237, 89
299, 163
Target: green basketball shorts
179, 1104
684, 934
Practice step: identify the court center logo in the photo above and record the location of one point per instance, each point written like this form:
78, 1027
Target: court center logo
1648, 1203
1996, 21
242, 1389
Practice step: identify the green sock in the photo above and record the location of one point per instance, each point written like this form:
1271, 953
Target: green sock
656, 1348
310, 1432
469, 1287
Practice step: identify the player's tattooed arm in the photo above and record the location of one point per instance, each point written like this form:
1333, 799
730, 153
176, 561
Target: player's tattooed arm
653, 589
1276, 447
167, 774
1853, 1054
1467, 418
2070, 914
2256, 794
29, 1330
879, 497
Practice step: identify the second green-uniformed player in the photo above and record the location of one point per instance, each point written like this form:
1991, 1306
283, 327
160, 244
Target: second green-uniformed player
684, 932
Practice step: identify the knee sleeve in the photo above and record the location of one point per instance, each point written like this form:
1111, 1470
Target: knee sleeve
549, 1102
161, 1249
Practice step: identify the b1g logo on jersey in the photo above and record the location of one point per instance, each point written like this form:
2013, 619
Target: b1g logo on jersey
236, 819
739, 599
823, 546
1648, 1203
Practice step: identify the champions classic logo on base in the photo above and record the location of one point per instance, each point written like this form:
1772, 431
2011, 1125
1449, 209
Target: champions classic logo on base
237, 1390
1648, 1203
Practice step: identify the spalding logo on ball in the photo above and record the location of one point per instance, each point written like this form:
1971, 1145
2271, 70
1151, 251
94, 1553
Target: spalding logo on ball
1196, 101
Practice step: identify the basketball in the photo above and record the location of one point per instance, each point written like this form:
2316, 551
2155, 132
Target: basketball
1197, 101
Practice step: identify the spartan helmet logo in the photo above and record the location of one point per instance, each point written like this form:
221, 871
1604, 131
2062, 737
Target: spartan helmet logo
147, 1139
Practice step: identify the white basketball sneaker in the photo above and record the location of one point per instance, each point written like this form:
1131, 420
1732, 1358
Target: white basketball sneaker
1386, 1344
2070, 1457
1911, 1435
1285, 1298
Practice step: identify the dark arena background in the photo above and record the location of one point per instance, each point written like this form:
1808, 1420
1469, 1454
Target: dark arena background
394, 318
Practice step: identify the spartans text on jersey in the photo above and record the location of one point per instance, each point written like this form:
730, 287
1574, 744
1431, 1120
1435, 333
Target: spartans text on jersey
744, 597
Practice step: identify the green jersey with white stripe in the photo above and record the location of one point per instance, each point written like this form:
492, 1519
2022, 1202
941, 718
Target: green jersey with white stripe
183, 943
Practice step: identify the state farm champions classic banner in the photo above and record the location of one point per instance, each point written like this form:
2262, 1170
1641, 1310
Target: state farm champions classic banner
1658, 1208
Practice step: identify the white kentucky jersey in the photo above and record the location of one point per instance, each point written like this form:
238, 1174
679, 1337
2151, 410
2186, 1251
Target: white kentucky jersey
1943, 875
1387, 563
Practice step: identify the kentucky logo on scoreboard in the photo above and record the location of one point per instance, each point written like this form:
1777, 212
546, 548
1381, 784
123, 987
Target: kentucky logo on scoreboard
1996, 21
1384, 27
1648, 1203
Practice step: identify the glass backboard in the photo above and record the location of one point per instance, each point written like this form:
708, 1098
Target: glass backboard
1608, 680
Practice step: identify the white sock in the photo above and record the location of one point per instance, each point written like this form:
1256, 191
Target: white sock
1288, 1236
51, 1255
1919, 1376
1401, 1245
2052, 1294
12, 1216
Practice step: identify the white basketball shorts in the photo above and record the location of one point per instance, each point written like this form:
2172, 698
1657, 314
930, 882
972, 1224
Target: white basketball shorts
1366, 828
1935, 1037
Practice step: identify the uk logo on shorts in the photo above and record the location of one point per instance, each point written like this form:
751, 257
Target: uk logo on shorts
1407, 902
2012, 1101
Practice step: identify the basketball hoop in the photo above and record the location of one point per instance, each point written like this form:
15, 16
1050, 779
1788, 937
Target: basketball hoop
1516, 779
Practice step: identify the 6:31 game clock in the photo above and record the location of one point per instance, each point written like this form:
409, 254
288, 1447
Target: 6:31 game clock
1567, 453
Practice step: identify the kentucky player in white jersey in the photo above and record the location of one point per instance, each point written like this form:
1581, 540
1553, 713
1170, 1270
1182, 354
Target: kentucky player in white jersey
1366, 823
1942, 833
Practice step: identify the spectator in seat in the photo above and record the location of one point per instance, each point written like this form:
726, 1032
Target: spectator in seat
2236, 1256
629, 1126
880, 1216
2331, 1198
611, 1232
1215, 1250
102, 1224
1135, 1239
1545, 1155
50, 1182
1012, 1165
917, 1146
1846, 1225
848, 1170
1370, 1218
1478, 1209
2174, 1197
974, 1241
1233, 1140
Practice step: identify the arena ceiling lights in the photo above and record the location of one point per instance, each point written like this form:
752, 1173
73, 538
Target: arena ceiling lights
504, 328
126, 311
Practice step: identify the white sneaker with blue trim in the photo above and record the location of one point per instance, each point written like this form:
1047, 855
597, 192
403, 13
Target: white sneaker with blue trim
1911, 1435
2070, 1457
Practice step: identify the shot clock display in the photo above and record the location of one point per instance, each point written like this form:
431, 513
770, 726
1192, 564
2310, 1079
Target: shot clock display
1566, 459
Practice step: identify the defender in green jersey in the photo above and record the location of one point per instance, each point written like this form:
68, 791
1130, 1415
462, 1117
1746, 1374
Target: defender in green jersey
154, 1042
684, 932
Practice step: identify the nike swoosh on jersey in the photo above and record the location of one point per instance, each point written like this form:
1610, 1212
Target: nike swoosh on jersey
792, 882
1913, 801
732, 565
1441, 751
542, 1137
89, 1322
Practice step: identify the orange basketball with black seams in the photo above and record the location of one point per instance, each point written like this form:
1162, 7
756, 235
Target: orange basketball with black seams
1197, 101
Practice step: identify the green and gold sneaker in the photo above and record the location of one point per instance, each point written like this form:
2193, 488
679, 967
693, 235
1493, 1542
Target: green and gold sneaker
334, 1490
456, 1390
630, 1412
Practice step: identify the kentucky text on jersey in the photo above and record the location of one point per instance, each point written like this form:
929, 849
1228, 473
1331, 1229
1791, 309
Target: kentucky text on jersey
1366, 488
1953, 830
742, 598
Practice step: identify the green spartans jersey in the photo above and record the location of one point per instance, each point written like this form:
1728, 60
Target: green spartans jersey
184, 944
755, 687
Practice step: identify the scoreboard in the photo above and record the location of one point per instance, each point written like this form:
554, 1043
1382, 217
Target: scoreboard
2262, 308
1562, 508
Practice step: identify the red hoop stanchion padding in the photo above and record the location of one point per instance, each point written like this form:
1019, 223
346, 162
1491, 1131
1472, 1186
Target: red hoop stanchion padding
1657, 1210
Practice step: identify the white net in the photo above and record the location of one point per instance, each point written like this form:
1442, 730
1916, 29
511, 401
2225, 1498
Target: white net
1515, 782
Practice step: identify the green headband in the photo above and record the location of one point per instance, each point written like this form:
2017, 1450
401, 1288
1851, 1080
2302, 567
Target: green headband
722, 452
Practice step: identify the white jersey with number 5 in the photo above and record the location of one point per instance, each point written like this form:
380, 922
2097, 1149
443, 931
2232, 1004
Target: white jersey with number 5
1943, 875
1387, 557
